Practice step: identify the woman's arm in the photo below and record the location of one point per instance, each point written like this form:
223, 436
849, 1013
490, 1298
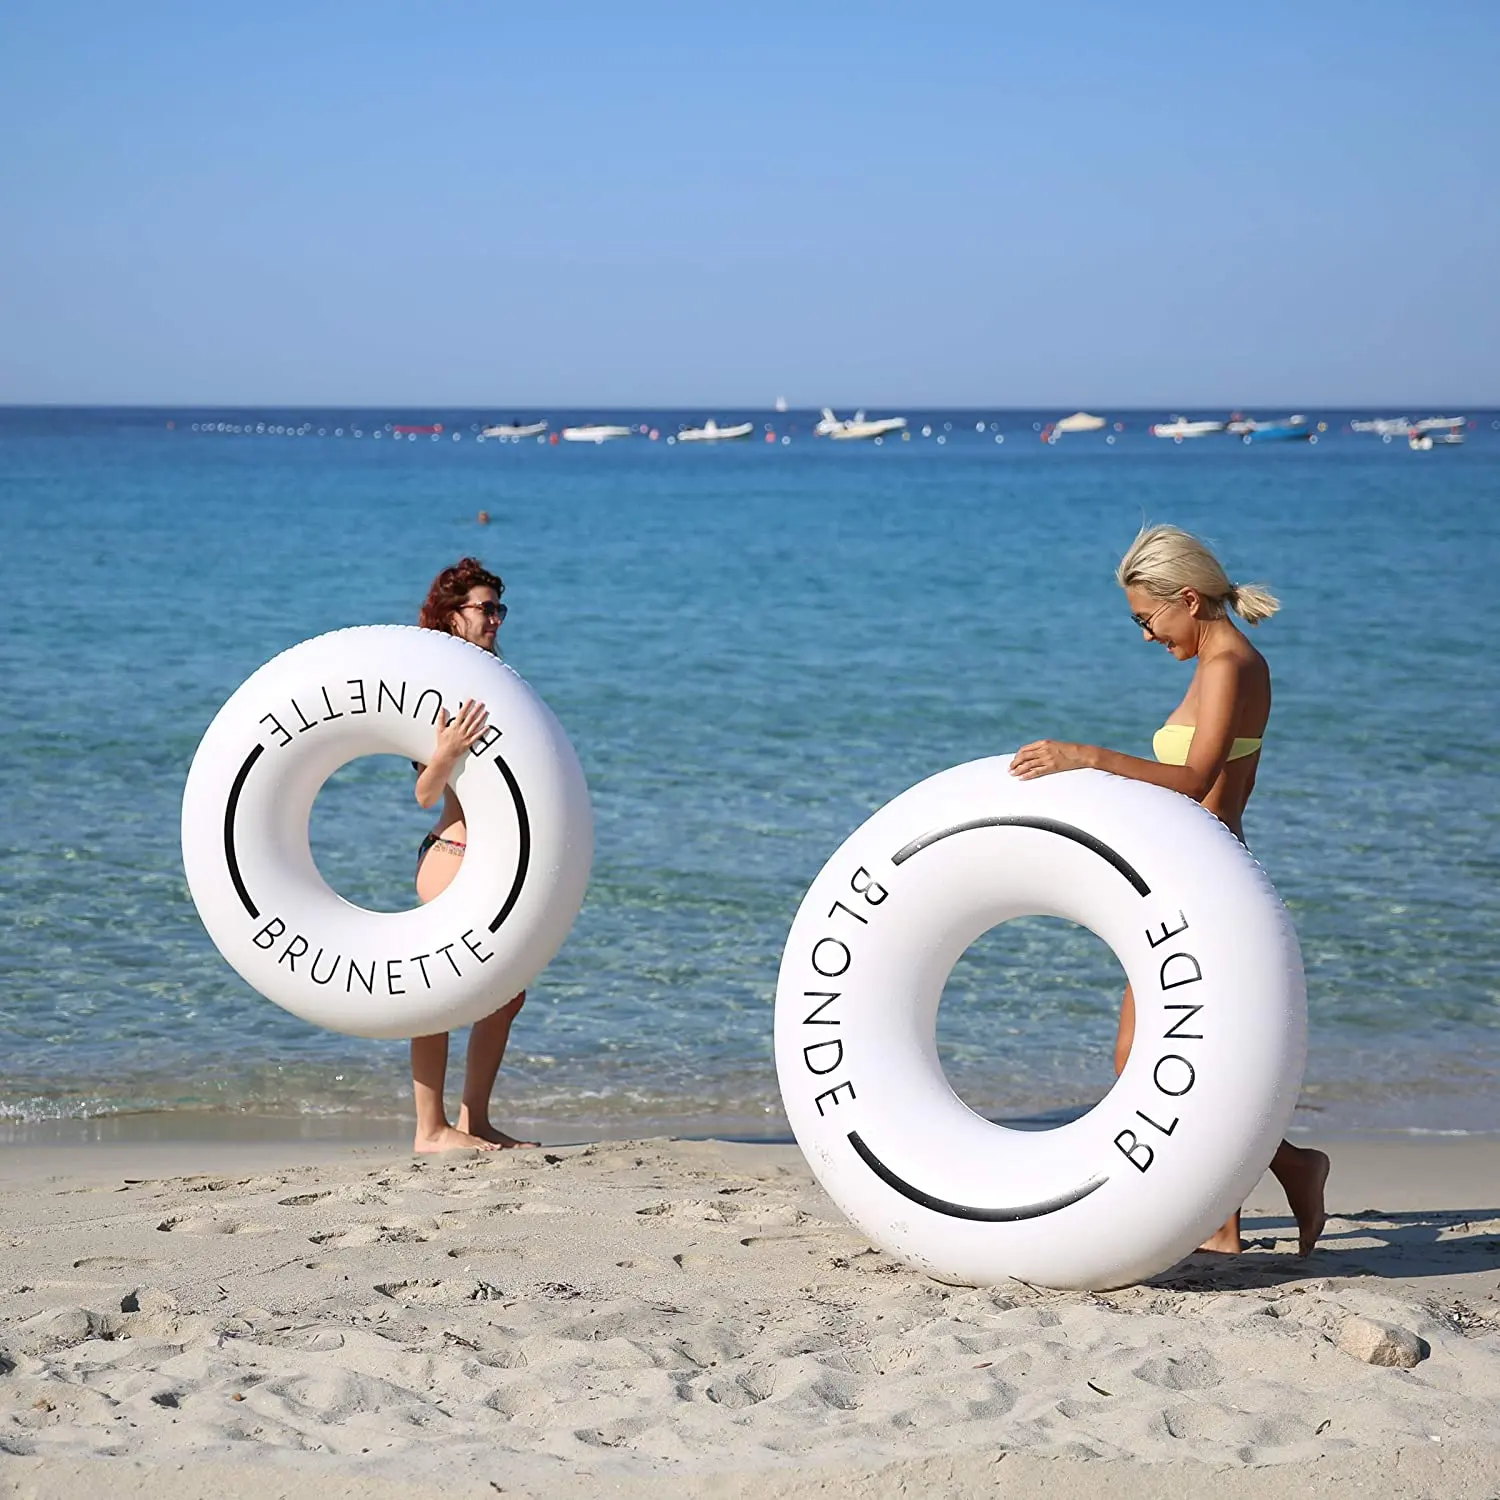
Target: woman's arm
1213, 738
454, 737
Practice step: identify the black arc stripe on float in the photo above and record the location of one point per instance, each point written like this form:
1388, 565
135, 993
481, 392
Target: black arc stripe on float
1018, 1212
1045, 825
523, 843
230, 808
966, 1211
523, 822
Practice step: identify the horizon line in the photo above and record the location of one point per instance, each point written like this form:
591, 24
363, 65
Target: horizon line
574, 406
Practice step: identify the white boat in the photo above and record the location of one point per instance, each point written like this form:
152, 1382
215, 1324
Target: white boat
711, 432
856, 427
515, 430
1179, 428
1080, 421
595, 432
1424, 442
1441, 428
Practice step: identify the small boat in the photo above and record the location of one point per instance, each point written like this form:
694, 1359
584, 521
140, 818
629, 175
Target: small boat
711, 432
1080, 421
1439, 424
1386, 427
1179, 428
1286, 430
856, 427
1425, 442
596, 432
516, 430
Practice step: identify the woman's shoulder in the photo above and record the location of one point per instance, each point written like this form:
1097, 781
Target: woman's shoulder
1240, 658
1238, 670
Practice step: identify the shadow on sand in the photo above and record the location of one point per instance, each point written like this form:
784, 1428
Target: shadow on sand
1393, 1246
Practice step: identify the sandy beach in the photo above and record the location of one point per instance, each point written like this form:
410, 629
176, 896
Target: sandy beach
674, 1317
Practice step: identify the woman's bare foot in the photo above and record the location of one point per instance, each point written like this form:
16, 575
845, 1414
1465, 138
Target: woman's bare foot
1304, 1177
449, 1139
1226, 1239
491, 1133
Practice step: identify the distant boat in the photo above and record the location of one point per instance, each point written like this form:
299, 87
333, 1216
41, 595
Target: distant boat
856, 427
1440, 424
597, 432
1287, 430
1179, 428
1080, 421
515, 430
711, 432
1439, 437
1386, 427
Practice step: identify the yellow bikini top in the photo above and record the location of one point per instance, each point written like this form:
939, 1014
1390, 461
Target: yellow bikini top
1173, 741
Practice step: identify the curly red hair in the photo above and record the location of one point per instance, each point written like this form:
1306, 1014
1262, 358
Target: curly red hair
451, 588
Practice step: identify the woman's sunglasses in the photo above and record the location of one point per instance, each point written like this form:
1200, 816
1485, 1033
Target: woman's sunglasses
1145, 621
492, 610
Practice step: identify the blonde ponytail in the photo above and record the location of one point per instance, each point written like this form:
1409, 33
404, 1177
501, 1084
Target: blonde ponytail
1253, 602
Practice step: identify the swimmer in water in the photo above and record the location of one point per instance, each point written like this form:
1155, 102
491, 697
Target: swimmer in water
464, 600
1209, 749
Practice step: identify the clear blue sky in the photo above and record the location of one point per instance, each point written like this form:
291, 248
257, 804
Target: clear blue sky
497, 204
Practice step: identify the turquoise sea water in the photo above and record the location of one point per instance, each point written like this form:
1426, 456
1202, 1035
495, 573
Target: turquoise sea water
752, 647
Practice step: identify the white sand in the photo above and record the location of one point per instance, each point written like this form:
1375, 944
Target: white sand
667, 1318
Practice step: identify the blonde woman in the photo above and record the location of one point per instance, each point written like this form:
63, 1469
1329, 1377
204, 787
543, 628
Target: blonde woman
1209, 749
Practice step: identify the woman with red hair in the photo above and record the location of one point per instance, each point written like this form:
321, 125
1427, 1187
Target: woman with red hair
464, 600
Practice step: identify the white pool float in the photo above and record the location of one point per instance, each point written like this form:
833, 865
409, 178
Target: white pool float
1184, 1134
245, 810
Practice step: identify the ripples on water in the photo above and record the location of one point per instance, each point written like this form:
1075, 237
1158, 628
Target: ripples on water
752, 648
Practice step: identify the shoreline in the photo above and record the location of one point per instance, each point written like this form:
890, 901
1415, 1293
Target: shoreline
1427, 1171
325, 1133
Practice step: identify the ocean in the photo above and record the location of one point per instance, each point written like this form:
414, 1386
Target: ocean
753, 646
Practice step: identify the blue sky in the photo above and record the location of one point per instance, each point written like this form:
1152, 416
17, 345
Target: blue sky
497, 205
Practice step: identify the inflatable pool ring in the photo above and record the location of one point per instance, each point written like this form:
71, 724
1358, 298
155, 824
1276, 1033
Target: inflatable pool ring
1173, 1148
249, 794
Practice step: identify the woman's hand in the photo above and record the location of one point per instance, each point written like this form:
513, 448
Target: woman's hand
455, 737
459, 733
1045, 757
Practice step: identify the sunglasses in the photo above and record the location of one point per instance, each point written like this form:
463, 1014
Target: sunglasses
492, 609
1146, 621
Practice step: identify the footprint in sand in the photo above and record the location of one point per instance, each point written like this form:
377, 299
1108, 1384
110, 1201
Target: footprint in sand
736, 1392
398, 1232
616, 1434
807, 1243
113, 1263
1194, 1370
205, 1225
301, 1200
361, 1195
439, 1293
